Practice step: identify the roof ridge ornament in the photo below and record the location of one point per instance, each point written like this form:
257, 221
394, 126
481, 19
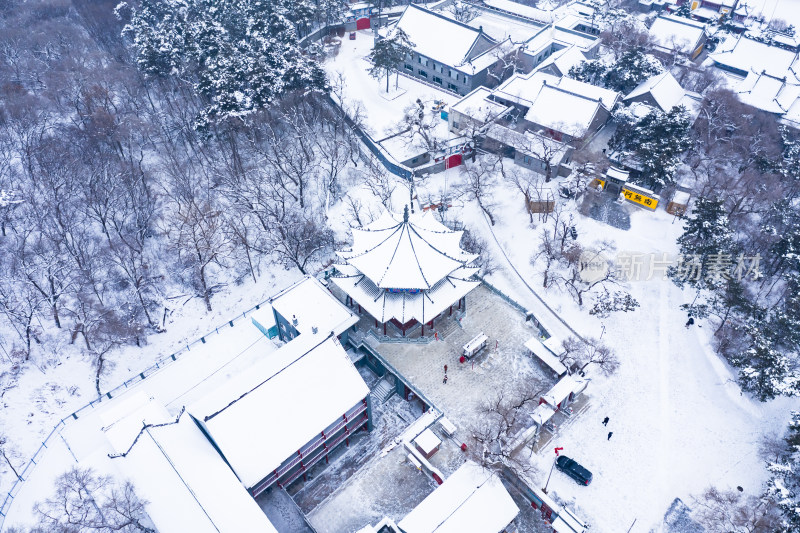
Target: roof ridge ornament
405, 214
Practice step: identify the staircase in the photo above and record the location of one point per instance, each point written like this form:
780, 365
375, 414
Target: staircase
382, 391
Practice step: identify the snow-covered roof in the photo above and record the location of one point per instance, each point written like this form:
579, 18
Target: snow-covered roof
618, 173
680, 197
542, 414
748, 55
706, 13
501, 27
541, 14
664, 89
477, 105
560, 110
422, 305
326, 314
529, 143
671, 32
546, 356
439, 37
472, 499
563, 60
524, 88
561, 390
427, 441
769, 93
416, 252
261, 416
188, 485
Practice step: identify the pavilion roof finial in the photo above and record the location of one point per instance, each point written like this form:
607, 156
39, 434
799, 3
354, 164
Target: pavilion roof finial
405, 214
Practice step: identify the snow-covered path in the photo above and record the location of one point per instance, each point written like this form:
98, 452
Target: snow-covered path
679, 422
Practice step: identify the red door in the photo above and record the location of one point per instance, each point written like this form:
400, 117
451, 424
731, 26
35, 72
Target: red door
362, 23
453, 161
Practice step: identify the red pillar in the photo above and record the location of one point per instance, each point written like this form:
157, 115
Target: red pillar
451, 311
376, 322
384, 328
423, 331
459, 303
359, 309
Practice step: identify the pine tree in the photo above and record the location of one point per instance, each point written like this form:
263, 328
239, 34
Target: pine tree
785, 482
706, 235
388, 53
631, 69
239, 54
656, 141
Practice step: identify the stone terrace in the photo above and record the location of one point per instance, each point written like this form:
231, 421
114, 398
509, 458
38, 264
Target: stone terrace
492, 370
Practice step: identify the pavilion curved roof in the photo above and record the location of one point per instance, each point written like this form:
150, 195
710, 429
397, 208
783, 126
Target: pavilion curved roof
409, 251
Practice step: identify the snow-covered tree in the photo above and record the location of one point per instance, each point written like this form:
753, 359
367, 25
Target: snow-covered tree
656, 142
388, 53
606, 303
784, 485
240, 54
706, 235
623, 75
85, 502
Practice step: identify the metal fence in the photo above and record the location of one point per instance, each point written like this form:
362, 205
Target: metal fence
141, 376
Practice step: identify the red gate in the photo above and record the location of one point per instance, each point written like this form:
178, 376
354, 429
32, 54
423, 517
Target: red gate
362, 23
453, 161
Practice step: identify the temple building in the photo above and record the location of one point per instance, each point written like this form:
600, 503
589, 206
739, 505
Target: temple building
406, 270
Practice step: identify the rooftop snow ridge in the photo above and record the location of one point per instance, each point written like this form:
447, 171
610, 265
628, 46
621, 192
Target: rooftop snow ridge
244, 394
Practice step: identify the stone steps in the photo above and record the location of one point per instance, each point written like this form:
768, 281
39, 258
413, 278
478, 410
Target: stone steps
382, 391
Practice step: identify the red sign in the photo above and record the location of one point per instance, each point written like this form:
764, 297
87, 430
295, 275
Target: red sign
558, 450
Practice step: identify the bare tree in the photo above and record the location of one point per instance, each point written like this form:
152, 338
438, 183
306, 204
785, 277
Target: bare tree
84, 501
380, 182
199, 239
480, 179
576, 280
721, 511
527, 182
494, 435
580, 353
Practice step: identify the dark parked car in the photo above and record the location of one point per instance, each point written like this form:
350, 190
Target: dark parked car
574, 470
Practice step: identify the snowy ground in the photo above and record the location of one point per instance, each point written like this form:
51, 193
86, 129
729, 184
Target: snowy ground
382, 112
679, 421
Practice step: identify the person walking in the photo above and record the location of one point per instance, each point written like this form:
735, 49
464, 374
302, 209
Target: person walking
689, 322
605, 421
445, 369
609, 435
445, 379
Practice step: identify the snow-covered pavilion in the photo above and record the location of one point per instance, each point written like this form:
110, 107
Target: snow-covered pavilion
406, 269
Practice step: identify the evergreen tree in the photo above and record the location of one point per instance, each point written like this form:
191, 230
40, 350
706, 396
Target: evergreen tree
706, 235
388, 53
240, 54
656, 141
592, 71
785, 482
631, 69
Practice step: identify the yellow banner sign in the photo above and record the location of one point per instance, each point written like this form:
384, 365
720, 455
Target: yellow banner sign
639, 198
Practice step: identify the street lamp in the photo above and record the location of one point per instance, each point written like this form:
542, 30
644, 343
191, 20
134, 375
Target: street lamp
550, 474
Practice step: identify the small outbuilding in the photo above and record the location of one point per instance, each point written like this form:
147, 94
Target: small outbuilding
547, 357
472, 499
